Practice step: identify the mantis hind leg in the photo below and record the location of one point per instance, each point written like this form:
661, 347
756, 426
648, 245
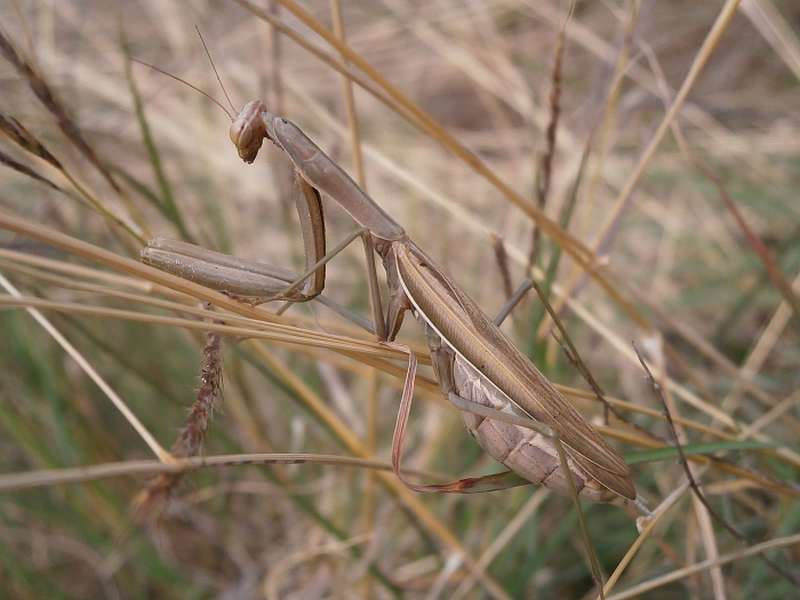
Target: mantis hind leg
442, 365
515, 299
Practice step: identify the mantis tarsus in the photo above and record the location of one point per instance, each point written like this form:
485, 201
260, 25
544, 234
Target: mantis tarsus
497, 388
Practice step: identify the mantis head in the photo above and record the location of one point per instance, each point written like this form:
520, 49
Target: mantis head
248, 130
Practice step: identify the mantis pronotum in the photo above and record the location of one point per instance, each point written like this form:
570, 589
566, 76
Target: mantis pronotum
477, 366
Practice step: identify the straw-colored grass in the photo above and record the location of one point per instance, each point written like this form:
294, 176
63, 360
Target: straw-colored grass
658, 160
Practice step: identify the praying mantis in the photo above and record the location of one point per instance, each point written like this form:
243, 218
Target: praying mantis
499, 390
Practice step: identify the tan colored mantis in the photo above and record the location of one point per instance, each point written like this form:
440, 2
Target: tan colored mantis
498, 389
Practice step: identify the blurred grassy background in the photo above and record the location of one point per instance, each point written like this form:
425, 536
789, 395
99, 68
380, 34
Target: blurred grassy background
483, 71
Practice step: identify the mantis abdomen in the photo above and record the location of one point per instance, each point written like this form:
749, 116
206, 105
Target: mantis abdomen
528, 453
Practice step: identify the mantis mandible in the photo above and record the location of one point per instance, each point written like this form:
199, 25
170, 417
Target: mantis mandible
476, 365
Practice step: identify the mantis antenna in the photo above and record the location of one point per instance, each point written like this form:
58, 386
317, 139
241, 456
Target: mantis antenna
213, 66
184, 82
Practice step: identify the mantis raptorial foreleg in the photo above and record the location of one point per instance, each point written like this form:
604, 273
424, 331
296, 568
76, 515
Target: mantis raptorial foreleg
248, 280
515, 406
252, 280
257, 282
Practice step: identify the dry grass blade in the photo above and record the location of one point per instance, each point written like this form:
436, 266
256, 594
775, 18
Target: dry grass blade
349, 102
648, 438
606, 231
181, 466
71, 130
776, 30
369, 501
707, 349
575, 358
73, 245
179, 300
646, 526
167, 201
293, 336
771, 415
284, 334
272, 582
503, 538
329, 60
77, 272
702, 518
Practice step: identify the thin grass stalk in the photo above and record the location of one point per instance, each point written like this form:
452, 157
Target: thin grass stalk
52, 477
503, 538
64, 267
291, 336
760, 249
646, 528
540, 317
710, 44
89, 251
702, 514
608, 121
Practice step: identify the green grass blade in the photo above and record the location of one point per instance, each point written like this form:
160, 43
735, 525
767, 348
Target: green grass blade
658, 454
167, 204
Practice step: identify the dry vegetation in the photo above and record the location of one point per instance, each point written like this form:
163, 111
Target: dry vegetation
695, 218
